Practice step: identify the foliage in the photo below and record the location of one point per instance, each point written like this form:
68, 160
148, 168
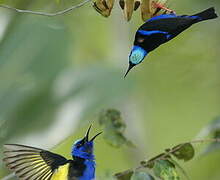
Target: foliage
163, 165
113, 128
147, 8
52, 67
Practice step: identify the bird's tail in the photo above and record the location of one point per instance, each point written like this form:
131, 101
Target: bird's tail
207, 14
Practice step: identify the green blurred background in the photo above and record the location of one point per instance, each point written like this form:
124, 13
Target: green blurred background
57, 74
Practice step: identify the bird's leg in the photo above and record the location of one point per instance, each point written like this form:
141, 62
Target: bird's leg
160, 6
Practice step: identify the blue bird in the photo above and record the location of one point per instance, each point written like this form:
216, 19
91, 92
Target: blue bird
161, 29
31, 163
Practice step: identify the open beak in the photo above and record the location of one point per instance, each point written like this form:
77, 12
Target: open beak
129, 68
95, 136
86, 138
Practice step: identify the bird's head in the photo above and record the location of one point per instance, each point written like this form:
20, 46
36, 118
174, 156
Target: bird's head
83, 148
136, 56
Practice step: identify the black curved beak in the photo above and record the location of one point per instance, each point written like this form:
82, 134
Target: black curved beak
86, 138
95, 136
129, 68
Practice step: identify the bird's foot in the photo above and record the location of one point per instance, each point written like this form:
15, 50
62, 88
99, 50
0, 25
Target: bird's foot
160, 6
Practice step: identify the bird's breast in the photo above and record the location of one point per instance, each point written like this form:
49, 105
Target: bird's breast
61, 173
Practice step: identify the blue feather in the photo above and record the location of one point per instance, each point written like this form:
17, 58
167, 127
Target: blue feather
137, 55
162, 16
165, 16
196, 17
148, 33
89, 173
84, 151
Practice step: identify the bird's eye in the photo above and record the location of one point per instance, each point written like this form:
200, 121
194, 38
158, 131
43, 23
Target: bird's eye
78, 145
140, 40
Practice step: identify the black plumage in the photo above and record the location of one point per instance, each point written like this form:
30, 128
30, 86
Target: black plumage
172, 24
161, 29
76, 168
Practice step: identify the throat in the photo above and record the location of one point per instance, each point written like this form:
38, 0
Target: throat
89, 173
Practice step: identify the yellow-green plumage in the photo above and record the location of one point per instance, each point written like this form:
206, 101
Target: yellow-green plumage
61, 173
31, 163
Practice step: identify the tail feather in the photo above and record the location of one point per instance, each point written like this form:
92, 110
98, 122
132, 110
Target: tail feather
207, 14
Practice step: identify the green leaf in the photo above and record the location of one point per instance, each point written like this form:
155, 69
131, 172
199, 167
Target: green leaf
141, 176
184, 151
125, 175
165, 170
150, 163
114, 128
180, 168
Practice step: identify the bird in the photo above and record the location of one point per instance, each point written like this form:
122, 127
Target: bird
30, 163
161, 29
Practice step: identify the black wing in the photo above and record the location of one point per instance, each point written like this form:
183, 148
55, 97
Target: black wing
170, 25
31, 163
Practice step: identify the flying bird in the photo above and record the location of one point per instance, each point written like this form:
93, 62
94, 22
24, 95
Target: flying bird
31, 163
161, 29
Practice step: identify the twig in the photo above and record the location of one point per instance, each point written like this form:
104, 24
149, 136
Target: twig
45, 13
171, 151
167, 153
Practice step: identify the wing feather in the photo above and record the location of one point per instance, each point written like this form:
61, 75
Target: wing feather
170, 25
31, 163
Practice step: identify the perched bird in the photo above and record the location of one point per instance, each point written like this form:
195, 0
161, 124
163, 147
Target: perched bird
161, 29
31, 163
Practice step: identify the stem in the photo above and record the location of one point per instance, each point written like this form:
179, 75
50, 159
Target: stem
45, 13
162, 157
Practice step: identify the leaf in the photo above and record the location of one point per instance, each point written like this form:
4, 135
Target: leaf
114, 128
184, 151
180, 168
125, 175
141, 176
165, 170
148, 8
102, 7
128, 9
150, 163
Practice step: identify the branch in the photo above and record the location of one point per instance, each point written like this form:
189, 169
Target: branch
164, 155
44, 13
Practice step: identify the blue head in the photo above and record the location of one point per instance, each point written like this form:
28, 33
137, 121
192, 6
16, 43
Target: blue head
83, 148
136, 56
